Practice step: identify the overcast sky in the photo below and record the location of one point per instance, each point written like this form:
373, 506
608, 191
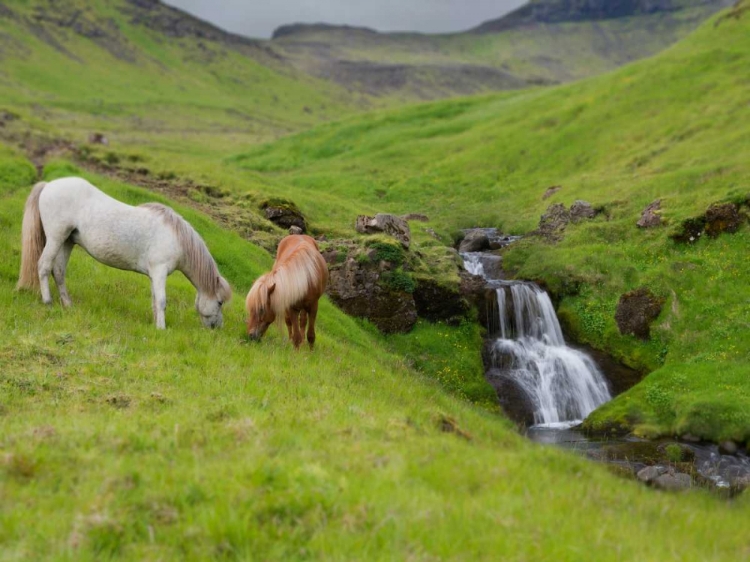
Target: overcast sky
258, 18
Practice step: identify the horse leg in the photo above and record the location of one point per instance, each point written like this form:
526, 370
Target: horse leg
58, 271
288, 320
302, 321
159, 296
296, 334
46, 260
312, 314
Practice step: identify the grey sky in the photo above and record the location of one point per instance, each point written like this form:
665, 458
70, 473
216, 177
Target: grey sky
257, 18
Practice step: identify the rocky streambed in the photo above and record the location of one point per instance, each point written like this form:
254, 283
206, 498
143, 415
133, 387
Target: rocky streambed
548, 386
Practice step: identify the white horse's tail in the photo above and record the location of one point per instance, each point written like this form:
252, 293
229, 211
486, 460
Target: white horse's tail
33, 241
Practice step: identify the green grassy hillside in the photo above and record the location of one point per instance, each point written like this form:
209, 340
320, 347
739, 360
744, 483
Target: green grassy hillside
673, 127
118, 442
144, 73
509, 53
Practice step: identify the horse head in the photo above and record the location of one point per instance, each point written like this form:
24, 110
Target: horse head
209, 305
260, 313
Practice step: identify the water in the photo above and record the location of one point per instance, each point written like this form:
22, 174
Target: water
563, 384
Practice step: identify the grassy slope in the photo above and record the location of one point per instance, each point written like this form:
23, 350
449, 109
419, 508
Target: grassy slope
672, 127
120, 442
545, 52
164, 91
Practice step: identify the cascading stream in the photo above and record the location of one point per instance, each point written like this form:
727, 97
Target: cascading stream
564, 385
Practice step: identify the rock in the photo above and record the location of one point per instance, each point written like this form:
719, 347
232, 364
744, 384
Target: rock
741, 483
581, 210
294, 229
551, 191
438, 303
98, 138
284, 214
636, 310
514, 401
552, 224
619, 377
690, 230
474, 241
650, 473
722, 218
354, 287
690, 438
415, 217
650, 216
673, 482
728, 447
386, 224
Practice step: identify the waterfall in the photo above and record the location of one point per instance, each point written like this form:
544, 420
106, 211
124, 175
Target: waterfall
564, 384
473, 263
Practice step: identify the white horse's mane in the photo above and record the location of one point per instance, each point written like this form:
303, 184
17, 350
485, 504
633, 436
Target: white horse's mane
198, 262
293, 278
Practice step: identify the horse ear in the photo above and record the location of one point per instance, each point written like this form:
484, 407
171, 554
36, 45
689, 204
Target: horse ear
271, 288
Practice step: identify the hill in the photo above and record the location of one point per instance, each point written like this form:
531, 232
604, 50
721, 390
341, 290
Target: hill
544, 42
668, 128
120, 442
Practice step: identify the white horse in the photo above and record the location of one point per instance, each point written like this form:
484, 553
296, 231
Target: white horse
151, 239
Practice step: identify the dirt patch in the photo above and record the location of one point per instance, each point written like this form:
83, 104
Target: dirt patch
636, 310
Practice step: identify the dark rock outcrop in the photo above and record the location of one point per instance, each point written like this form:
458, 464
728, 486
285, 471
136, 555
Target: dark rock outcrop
386, 224
474, 241
581, 210
553, 222
636, 310
514, 401
284, 214
438, 303
355, 287
551, 191
650, 217
723, 217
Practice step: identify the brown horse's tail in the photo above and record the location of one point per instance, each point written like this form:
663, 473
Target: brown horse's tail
33, 241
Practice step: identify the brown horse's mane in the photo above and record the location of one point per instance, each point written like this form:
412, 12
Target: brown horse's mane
294, 275
198, 263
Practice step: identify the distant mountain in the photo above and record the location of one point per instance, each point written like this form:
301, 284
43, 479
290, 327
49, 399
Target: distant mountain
558, 11
544, 42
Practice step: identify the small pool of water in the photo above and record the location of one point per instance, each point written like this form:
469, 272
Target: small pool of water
634, 453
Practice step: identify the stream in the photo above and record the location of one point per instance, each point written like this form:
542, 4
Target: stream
550, 388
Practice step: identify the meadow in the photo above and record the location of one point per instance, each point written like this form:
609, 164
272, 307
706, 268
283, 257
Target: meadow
121, 442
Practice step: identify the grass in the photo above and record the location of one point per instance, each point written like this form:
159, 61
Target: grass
667, 127
123, 443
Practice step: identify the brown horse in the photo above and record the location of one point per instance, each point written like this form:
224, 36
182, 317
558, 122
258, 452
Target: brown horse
291, 290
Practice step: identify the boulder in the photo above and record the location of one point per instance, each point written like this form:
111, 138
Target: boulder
636, 310
673, 482
581, 210
474, 241
354, 287
650, 473
386, 224
728, 447
438, 303
651, 216
284, 214
98, 138
294, 229
514, 401
551, 191
722, 218
552, 224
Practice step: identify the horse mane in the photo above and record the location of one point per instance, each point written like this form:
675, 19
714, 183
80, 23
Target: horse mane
198, 262
293, 277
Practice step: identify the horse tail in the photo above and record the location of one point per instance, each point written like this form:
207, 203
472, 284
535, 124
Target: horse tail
33, 241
